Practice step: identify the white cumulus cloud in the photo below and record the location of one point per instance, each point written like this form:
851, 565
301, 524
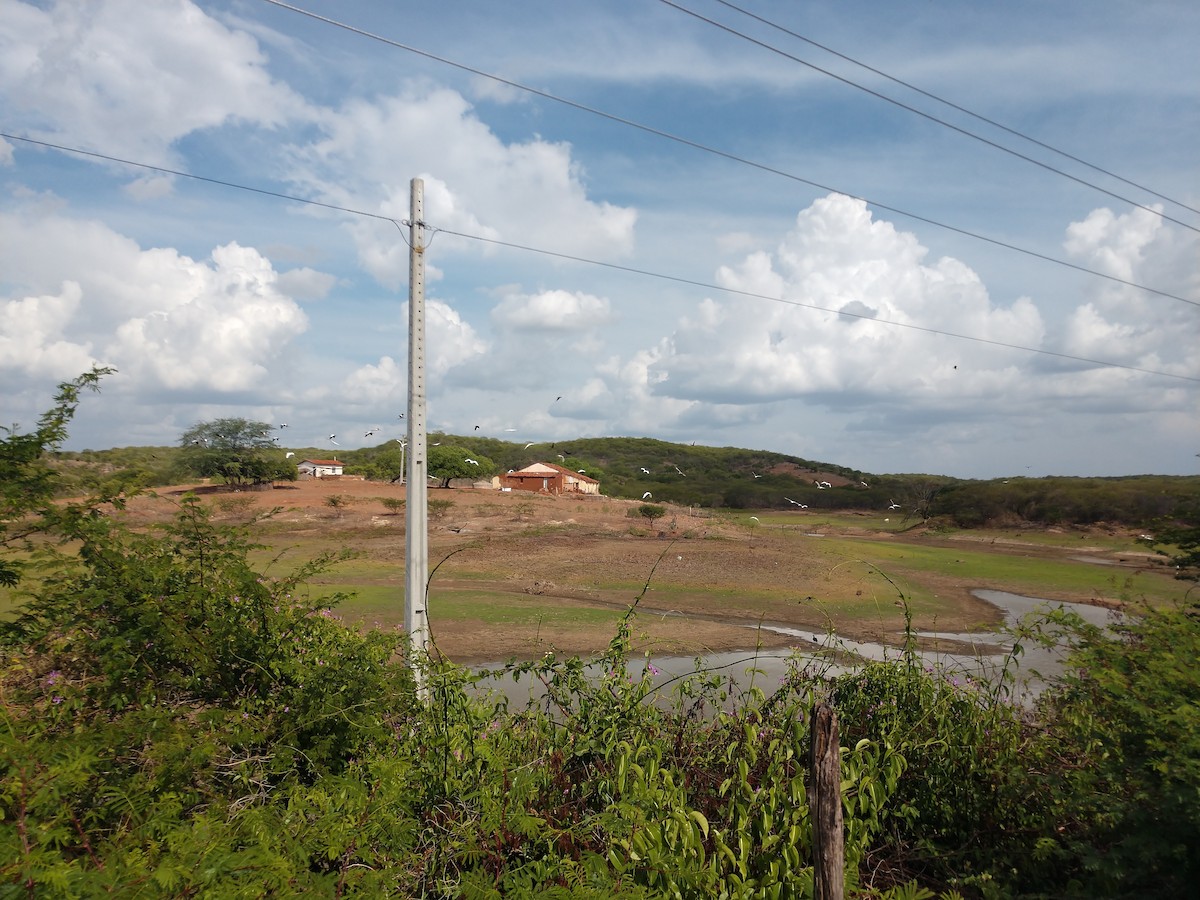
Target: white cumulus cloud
166, 321
531, 192
130, 78
31, 335
219, 327
554, 310
1125, 324
847, 285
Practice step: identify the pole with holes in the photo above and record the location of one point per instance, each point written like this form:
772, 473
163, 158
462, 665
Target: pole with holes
416, 543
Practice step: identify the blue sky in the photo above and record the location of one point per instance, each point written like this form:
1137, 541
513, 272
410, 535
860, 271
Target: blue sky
826, 271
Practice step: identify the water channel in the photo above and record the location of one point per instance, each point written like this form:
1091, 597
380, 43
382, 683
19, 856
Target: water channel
977, 653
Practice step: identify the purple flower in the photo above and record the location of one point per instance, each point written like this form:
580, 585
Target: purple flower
53, 678
56, 699
652, 669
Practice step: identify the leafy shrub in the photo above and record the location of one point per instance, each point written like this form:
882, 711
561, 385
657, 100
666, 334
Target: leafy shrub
177, 723
1126, 721
394, 505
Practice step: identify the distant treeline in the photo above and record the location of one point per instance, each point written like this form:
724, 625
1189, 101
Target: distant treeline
734, 478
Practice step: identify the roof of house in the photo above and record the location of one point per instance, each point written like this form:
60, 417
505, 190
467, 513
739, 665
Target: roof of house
545, 468
322, 462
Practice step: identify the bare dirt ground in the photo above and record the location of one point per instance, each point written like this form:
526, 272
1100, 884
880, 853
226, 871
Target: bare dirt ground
706, 580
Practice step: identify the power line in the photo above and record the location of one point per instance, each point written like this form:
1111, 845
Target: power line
616, 266
955, 106
165, 171
648, 129
924, 115
813, 306
358, 212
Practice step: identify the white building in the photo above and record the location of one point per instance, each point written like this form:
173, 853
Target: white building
319, 468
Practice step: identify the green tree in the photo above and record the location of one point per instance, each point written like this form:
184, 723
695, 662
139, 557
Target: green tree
385, 465
1179, 541
28, 483
237, 451
651, 511
446, 463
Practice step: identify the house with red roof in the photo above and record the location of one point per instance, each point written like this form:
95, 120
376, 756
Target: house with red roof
548, 478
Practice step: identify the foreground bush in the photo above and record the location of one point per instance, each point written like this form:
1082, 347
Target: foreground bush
178, 724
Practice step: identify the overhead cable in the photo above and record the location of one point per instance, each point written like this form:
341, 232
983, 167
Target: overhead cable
954, 106
165, 171
687, 142
608, 265
816, 307
925, 115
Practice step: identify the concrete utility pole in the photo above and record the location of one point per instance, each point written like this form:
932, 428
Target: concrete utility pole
416, 544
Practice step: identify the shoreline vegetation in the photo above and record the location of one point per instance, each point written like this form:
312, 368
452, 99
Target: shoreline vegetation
206, 696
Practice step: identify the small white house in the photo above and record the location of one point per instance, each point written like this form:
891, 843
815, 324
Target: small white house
319, 468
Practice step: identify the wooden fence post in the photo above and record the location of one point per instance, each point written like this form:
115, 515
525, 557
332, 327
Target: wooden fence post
825, 806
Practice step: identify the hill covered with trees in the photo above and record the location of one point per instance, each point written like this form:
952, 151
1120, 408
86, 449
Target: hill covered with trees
717, 477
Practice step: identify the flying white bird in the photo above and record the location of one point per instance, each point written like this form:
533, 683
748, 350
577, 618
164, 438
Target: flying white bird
755, 518
473, 462
644, 470
283, 424
289, 455
756, 475
680, 471
892, 504
790, 500
332, 441
647, 495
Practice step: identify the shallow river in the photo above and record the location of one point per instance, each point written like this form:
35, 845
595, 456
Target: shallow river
980, 654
